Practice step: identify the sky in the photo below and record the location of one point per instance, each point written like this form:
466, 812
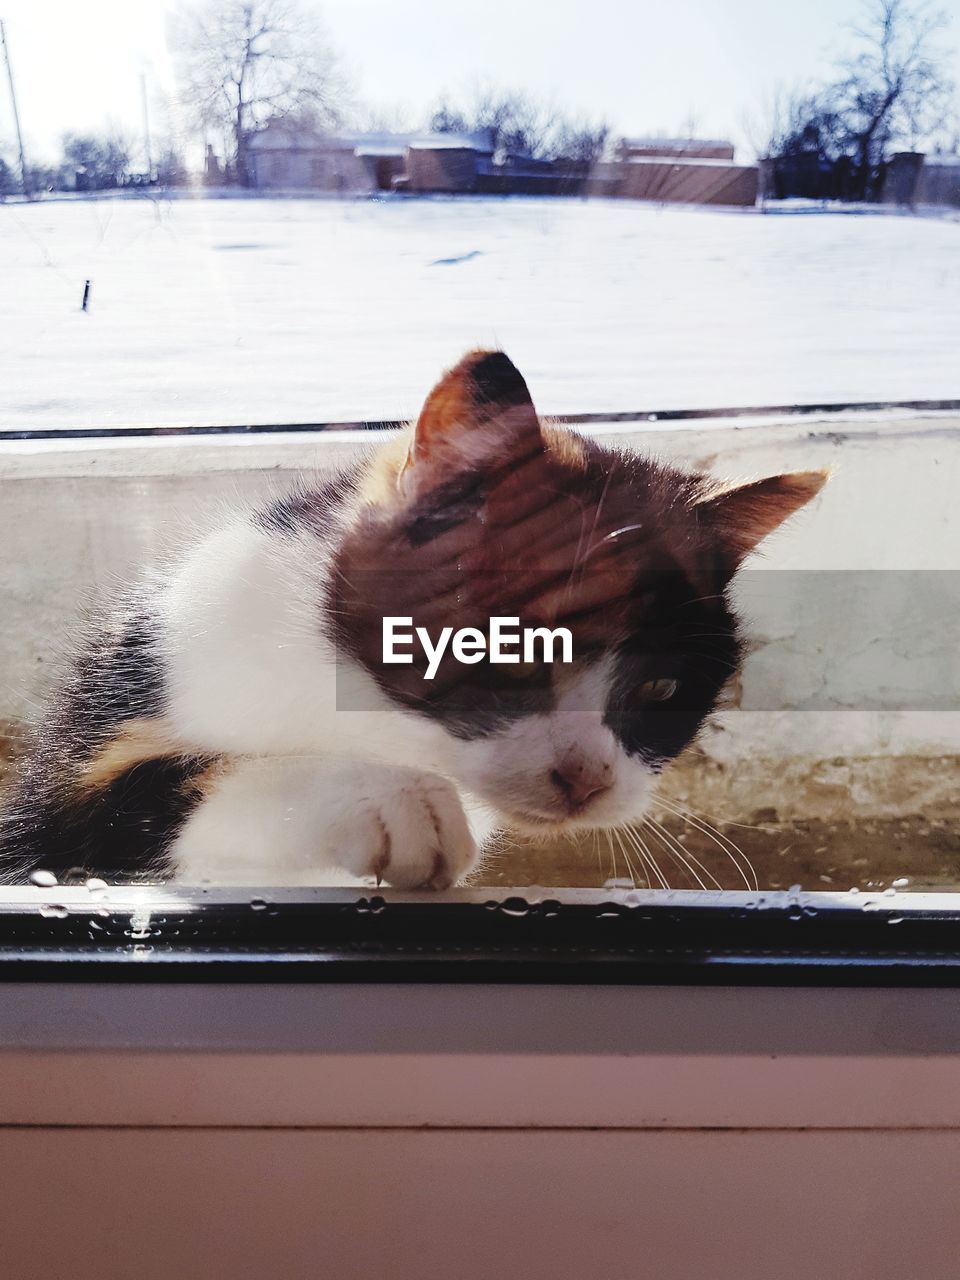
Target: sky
645, 66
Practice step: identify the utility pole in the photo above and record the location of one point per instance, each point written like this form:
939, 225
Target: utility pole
146, 126
24, 181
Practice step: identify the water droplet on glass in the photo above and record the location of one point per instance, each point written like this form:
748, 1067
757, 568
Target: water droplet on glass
54, 911
900, 883
259, 904
890, 893
515, 907
95, 885
43, 879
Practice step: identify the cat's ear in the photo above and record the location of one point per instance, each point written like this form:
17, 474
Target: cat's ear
741, 518
479, 413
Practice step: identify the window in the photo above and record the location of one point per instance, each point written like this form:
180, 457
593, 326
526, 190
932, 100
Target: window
752, 752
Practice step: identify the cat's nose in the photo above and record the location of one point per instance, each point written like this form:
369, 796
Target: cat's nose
580, 781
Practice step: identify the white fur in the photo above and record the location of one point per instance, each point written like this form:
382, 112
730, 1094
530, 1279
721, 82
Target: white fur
325, 772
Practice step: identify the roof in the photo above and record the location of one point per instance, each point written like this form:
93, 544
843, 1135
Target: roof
288, 135
479, 141
691, 161
675, 144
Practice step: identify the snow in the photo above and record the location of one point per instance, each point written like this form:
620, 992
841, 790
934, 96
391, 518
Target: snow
219, 311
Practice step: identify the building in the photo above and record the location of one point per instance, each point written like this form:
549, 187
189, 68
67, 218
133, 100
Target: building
915, 179
289, 156
684, 171
447, 162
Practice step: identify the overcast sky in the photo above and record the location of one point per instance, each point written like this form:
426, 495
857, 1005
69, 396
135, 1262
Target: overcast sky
646, 66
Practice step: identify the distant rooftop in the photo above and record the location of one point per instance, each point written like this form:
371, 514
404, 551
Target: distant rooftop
692, 148
290, 135
676, 143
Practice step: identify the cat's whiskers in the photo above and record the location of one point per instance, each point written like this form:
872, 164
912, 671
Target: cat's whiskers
579, 561
633, 878
717, 595
645, 853
689, 860
677, 859
723, 842
712, 657
625, 834
626, 856
613, 856
576, 556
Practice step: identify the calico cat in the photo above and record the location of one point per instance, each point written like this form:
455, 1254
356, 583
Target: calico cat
236, 722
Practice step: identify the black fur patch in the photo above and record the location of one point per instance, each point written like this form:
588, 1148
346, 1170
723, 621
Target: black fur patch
311, 509
444, 508
120, 833
50, 819
497, 381
689, 639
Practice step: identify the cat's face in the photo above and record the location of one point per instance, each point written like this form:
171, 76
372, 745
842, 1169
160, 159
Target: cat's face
490, 514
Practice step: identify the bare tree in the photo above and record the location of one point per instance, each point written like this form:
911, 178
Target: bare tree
519, 125
581, 141
244, 62
894, 88
447, 118
96, 163
800, 124
891, 91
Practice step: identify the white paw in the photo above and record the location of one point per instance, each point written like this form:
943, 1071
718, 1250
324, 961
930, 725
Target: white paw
412, 834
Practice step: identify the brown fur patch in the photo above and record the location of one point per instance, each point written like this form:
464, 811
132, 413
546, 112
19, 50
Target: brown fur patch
135, 742
569, 449
203, 782
378, 484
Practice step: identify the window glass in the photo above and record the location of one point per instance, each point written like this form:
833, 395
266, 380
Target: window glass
658, 589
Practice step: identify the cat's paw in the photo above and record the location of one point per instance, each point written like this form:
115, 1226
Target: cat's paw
413, 834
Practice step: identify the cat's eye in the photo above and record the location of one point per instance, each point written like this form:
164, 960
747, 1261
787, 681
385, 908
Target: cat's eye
658, 690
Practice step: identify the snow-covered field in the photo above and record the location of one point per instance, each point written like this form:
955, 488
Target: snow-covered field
216, 311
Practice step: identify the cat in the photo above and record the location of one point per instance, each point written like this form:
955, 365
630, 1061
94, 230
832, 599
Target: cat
236, 723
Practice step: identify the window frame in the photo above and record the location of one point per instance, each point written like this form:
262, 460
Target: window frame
519, 935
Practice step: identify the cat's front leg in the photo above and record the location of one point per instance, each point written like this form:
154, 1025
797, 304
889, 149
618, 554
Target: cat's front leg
294, 820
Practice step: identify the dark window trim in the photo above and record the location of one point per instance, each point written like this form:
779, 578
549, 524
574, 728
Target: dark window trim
640, 416
158, 934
